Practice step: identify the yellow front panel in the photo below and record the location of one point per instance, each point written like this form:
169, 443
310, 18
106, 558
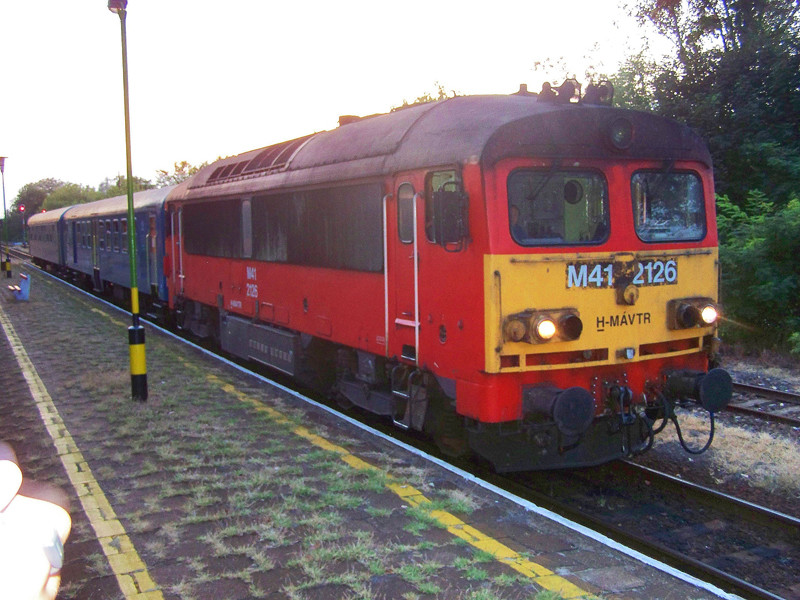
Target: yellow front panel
586, 282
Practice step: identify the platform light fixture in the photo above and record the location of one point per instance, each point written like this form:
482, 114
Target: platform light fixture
136, 331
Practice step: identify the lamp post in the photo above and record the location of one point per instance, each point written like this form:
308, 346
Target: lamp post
7, 262
136, 331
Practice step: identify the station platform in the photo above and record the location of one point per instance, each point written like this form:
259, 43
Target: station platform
223, 486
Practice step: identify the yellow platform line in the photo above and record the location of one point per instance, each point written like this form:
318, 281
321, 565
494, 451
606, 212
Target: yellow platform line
540, 575
129, 569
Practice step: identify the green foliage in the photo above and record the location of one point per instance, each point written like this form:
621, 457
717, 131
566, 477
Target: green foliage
439, 94
119, 187
735, 77
33, 195
69, 194
760, 274
181, 172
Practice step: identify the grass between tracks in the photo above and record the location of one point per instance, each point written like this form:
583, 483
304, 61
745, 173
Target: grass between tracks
759, 458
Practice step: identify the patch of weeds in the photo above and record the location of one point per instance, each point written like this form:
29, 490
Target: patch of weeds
170, 531
421, 520
98, 564
322, 536
286, 471
183, 590
474, 573
455, 501
427, 587
261, 562
300, 488
216, 542
341, 500
245, 499
506, 580
481, 594
376, 567
378, 513
256, 592
548, 595
481, 556
317, 457
157, 548
418, 573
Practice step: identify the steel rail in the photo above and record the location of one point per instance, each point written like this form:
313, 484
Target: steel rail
779, 395
656, 549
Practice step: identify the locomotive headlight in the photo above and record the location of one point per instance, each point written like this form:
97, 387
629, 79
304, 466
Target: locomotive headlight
688, 315
570, 327
545, 328
709, 314
685, 313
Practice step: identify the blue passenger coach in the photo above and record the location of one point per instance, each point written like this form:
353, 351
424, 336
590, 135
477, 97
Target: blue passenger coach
93, 243
45, 231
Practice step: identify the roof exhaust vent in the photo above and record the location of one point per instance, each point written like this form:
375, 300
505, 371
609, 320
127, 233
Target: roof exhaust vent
347, 119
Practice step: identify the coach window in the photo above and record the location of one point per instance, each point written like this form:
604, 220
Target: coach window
668, 206
108, 235
101, 235
115, 234
123, 227
433, 183
405, 213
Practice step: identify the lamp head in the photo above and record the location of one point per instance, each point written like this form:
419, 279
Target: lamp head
117, 6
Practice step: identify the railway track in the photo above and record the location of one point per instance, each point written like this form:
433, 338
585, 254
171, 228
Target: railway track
766, 403
741, 547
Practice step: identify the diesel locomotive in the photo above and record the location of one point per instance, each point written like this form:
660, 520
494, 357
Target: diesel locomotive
532, 278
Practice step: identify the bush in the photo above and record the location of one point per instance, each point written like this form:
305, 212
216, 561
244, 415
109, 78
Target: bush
760, 271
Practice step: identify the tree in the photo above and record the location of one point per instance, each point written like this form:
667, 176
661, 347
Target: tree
181, 172
69, 194
735, 77
439, 94
109, 188
33, 195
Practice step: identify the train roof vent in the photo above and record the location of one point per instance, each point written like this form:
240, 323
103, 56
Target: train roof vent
226, 171
275, 157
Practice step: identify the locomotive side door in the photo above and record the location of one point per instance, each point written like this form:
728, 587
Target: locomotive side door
151, 242
403, 265
176, 250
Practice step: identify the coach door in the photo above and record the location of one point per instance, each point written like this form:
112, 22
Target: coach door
403, 298
98, 283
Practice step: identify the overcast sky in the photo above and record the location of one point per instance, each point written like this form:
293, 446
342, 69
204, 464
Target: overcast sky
211, 78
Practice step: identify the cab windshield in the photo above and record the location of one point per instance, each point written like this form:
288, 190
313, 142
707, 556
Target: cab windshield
557, 207
668, 206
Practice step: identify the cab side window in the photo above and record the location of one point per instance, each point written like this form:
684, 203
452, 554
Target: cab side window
433, 183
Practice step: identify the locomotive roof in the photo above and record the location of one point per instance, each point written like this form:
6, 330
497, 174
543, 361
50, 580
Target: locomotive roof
448, 132
119, 204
